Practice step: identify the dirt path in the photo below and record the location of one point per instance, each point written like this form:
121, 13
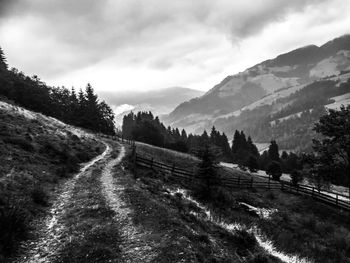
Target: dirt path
53, 230
135, 247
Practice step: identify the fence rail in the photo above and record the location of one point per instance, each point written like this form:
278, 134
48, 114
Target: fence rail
239, 182
332, 199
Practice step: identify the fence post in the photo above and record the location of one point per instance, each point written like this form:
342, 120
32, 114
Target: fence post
336, 200
134, 156
173, 169
282, 185
152, 163
239, 179
269, 182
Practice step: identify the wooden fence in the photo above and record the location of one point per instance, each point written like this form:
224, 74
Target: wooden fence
330, 198
241, 182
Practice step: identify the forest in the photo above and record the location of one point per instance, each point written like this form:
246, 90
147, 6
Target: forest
292, 125
82, 109
144, 127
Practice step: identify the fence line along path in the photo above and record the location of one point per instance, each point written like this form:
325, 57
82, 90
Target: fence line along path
235, 181
240, 182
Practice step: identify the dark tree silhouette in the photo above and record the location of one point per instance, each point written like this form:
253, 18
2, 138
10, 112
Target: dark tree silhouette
273, 151
207, 172
333, 151
274, 170
3, 63
83, 110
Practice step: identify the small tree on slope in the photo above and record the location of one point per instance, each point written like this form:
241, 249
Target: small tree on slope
333, 151
207, 172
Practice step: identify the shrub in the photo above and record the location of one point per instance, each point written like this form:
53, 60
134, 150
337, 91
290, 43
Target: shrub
261, 258
274, 169
245, 241
252, 164
296, 176
39, 196
72, 164
62, 172
13, 227
221, 197
83, 157
20, 142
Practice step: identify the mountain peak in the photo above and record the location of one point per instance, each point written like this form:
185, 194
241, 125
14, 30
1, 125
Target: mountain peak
279, 77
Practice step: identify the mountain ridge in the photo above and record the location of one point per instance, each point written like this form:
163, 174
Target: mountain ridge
271, 80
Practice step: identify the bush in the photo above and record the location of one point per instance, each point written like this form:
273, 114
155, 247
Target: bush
39, 196
296, 176
20, 142
274, 169
72, 164
13, 227
83, 157
245, 241
261, 258
252, 164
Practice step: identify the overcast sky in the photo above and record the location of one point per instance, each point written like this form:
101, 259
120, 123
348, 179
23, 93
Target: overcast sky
121, 45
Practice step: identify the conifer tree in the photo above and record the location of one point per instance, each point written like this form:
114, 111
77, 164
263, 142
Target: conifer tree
183, 135
207, 172
3, 63
235, 145
273, 151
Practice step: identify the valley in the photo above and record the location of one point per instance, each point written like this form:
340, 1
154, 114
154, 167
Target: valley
256, 100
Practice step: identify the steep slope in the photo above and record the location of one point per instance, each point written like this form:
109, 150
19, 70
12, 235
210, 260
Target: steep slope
37, 153
275, 78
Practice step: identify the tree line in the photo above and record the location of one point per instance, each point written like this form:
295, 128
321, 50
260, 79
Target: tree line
83, 109
144, 127
317, 166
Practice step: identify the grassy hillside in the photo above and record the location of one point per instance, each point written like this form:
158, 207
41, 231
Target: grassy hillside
37, 154
290, 228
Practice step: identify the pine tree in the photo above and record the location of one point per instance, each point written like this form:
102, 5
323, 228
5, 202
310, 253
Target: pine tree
91, 114
183, 135
214, 136
273, 151
205, 138
3, 63
235, 145
253, 150
207, 171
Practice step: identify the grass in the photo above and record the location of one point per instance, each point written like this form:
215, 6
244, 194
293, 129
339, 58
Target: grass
35, 159
183, 237
92, 233
13, 227
300, 226
170, 157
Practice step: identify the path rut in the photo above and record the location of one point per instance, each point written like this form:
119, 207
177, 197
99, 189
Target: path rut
135, 247
45, 247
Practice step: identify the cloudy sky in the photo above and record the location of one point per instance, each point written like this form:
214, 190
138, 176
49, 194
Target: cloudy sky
121, 45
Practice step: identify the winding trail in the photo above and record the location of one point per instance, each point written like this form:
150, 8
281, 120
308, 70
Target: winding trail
53, 231
135, 247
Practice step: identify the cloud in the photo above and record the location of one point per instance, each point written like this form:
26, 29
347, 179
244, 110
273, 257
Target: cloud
61, 39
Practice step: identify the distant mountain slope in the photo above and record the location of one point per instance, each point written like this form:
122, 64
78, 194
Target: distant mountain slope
160, 102
262, 84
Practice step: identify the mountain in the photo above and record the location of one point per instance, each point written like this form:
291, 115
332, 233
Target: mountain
245, 99
161, 101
